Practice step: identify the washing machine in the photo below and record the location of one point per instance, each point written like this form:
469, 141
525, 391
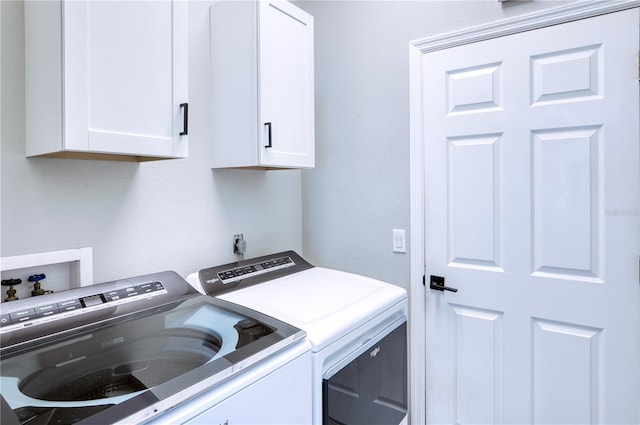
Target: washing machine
357, 328
149, 349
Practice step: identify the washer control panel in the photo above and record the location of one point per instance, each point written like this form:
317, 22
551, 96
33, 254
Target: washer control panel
73, 305
26, 320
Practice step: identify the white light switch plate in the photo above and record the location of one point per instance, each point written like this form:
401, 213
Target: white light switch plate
399, 241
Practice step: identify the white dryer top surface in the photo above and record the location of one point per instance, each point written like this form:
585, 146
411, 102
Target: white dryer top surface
326, 303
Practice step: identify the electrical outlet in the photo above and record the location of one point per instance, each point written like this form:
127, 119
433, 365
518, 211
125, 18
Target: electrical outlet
239, 244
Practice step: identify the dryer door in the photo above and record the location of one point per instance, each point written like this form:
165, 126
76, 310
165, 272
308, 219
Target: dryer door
372, 388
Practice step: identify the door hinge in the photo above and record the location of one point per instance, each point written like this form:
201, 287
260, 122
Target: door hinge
638, 66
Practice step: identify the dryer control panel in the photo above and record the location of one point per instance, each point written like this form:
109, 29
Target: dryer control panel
256, 269
220, 279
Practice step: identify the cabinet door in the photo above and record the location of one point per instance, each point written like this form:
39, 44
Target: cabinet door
286, 86
125, 77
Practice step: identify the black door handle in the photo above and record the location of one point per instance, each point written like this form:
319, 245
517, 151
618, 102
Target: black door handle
437, 283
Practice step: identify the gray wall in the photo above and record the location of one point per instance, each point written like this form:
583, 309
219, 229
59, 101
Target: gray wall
182, 215
359, 190
139, 218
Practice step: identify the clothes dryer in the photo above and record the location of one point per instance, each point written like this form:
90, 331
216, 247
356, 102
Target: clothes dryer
357, 327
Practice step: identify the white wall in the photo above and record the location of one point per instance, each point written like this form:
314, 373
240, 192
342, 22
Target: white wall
139, 218
359, 190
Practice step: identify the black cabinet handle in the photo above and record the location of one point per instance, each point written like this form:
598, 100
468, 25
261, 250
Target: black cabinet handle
185, 118
268, 125
437, 283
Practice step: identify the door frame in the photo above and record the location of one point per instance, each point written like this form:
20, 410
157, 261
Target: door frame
418, 51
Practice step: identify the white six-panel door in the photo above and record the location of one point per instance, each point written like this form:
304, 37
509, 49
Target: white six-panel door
532, 211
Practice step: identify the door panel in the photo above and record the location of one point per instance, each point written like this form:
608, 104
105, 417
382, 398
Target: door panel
477, 335
565, 76
532, 194
566, 181
473, 195
566, 372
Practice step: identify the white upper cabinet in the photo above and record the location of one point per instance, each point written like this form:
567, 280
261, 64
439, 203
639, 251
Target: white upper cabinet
106, 79
262, 85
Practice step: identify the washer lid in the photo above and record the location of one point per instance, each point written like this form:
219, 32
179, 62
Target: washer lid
326, 303
105, 361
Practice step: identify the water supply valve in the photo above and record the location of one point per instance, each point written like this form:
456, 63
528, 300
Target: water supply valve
11, 293
37, 289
